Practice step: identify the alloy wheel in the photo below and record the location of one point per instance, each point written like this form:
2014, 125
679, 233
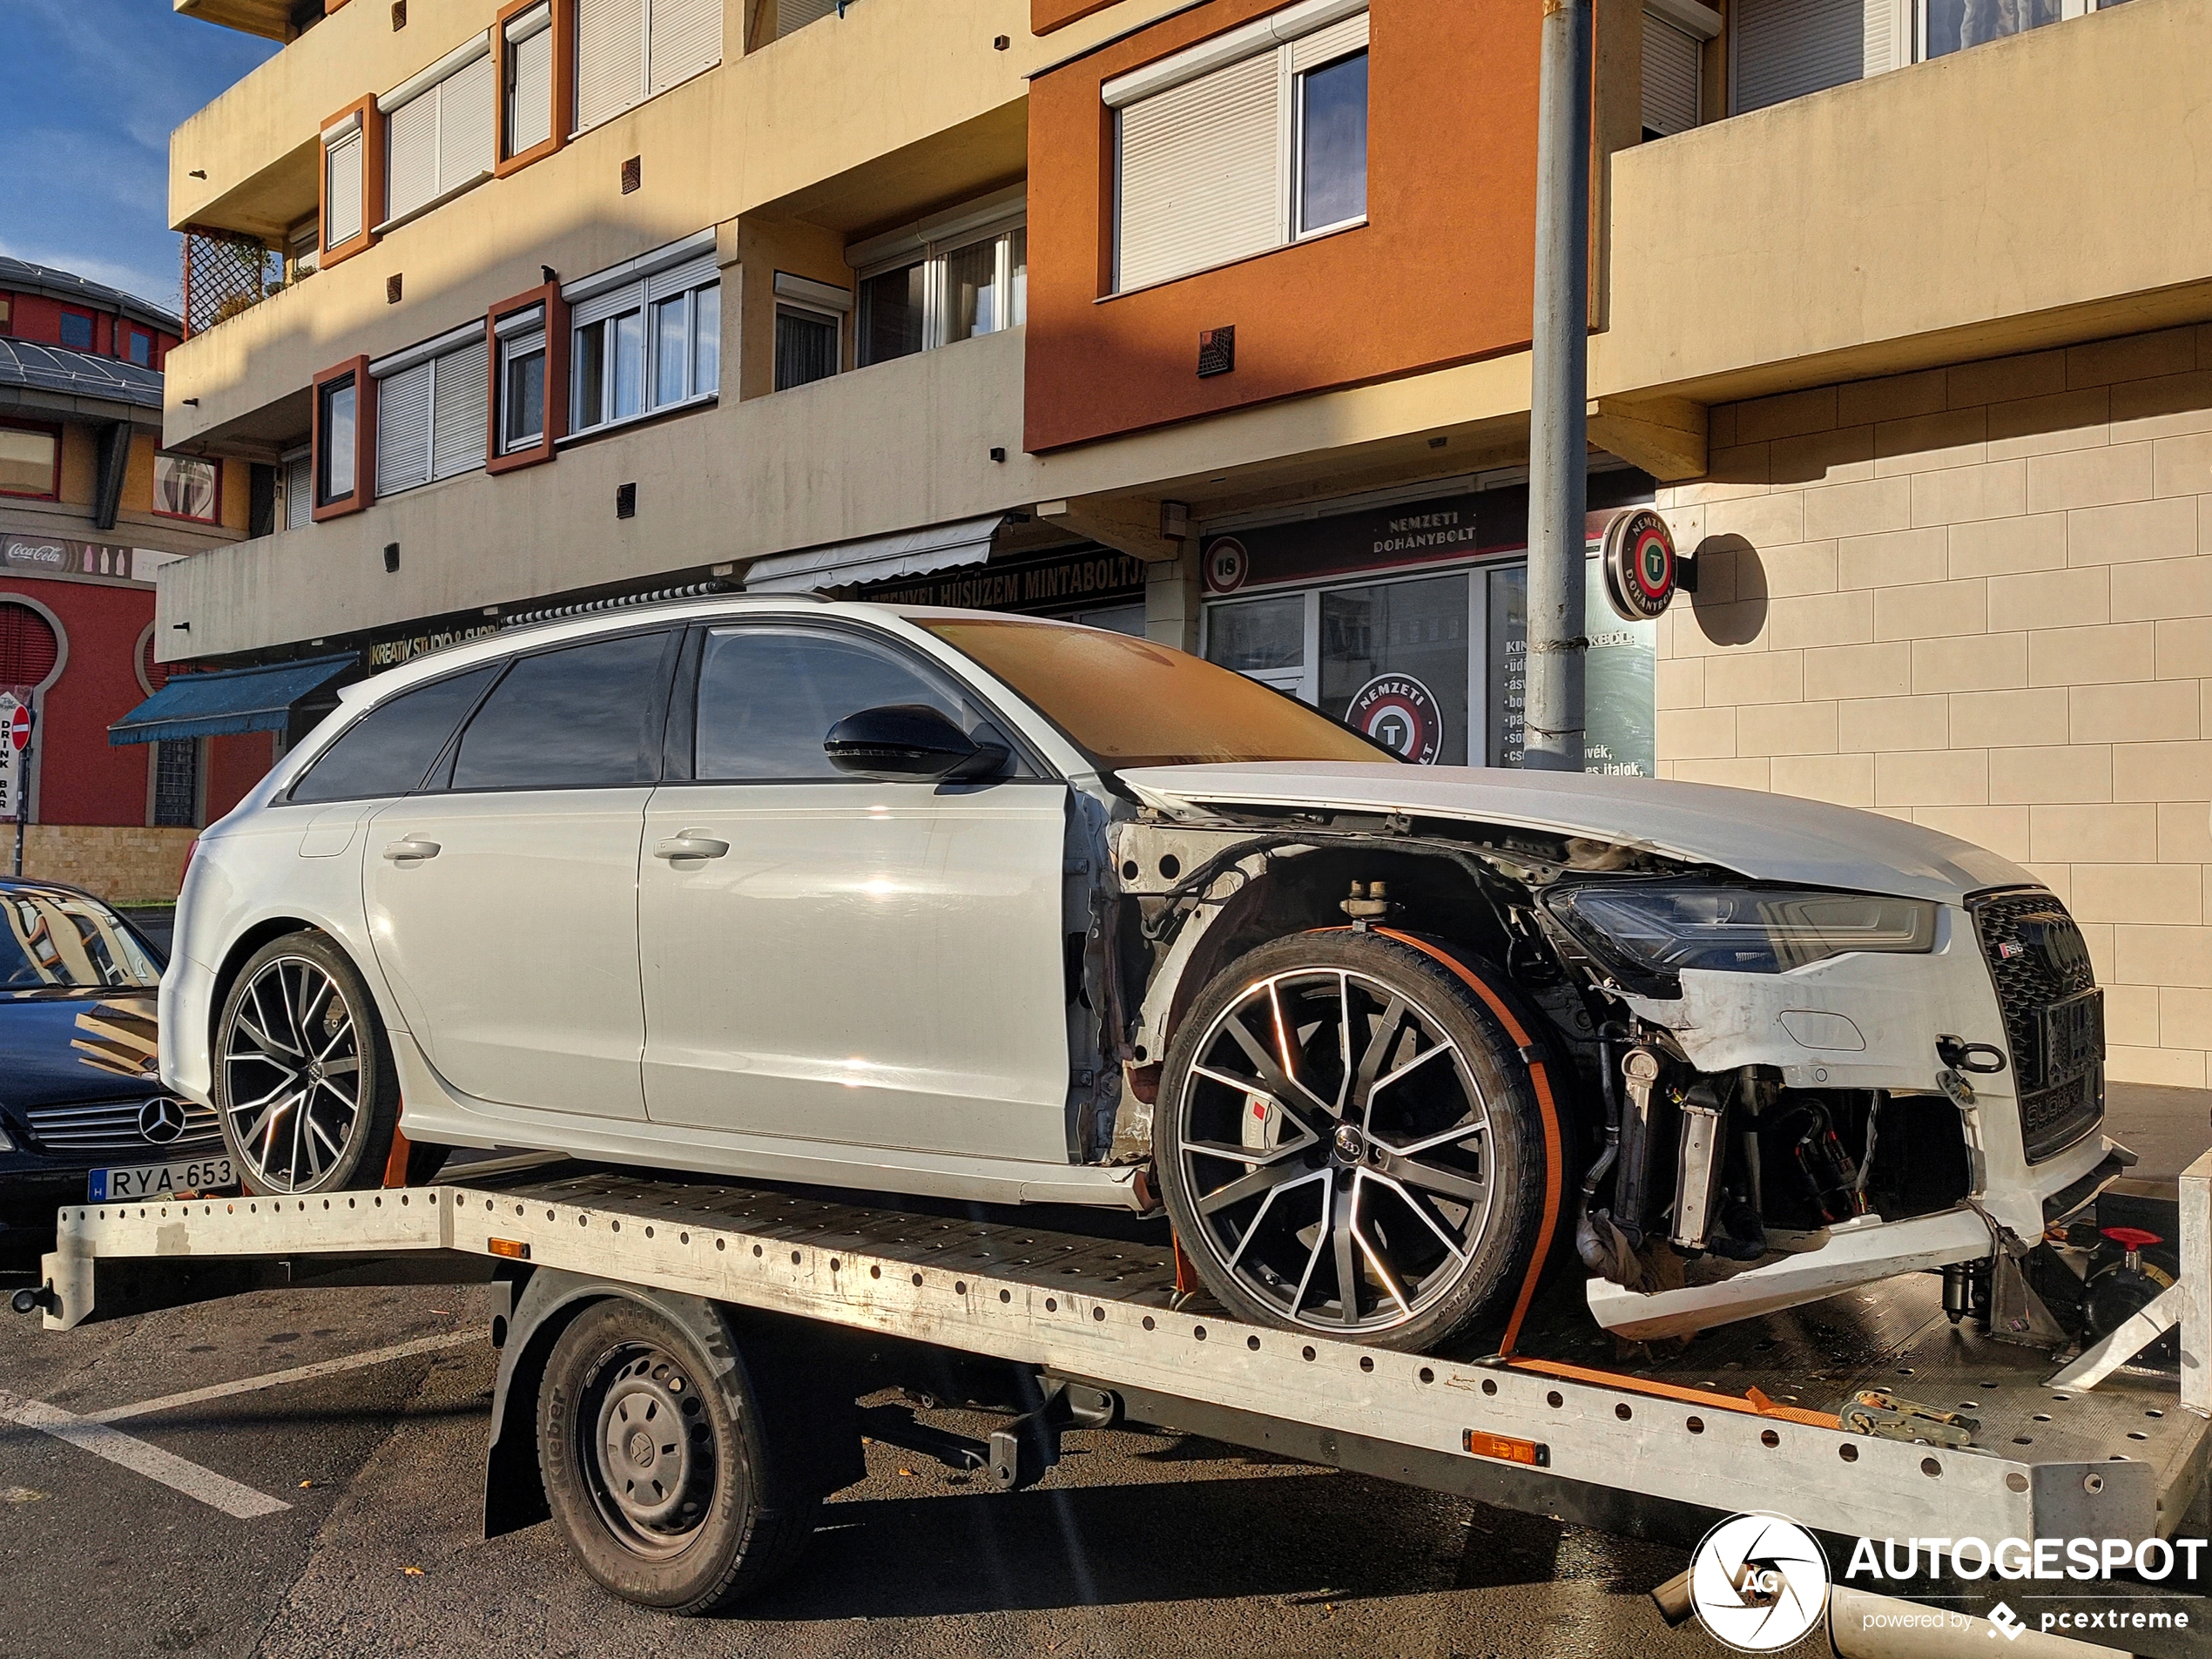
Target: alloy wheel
292, 1064
1335, 1145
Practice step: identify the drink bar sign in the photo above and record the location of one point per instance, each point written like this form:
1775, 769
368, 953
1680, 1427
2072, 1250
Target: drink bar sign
15, 754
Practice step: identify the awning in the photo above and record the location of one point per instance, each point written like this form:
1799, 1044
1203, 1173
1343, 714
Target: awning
909, 553
230, 699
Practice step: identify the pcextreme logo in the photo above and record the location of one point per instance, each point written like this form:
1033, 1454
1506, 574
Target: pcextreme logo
1759, 1582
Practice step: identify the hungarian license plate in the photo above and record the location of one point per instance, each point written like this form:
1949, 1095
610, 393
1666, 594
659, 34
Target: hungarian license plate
160, 1180
2074, 1035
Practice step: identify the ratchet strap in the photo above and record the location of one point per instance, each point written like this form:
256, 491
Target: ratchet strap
1546, 1106
1751, 1403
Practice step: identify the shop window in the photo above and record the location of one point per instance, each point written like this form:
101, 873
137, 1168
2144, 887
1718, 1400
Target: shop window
526, 81
430, 420
438, 131
629, 50
187, 487
30, 649
344, 428
176, 783
646, 336
1242, 144
950, 278
31, 460
77, 330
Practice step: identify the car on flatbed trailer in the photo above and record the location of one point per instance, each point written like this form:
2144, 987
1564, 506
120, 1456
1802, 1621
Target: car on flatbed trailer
972, 906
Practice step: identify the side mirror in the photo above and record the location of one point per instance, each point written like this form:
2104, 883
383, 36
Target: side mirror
908, 742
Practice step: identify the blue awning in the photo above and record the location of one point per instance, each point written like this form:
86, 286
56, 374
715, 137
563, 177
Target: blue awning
230, 699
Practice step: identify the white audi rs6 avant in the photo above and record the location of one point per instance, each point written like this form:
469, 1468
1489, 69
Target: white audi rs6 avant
980, 907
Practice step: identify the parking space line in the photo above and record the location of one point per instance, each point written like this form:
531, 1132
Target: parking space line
217, 1491
277, 1379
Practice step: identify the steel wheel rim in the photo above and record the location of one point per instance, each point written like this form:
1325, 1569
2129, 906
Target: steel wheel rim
292, 1070
1373, 1162
646, 1444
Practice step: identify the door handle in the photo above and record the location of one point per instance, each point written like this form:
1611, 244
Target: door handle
411, 848
688, 845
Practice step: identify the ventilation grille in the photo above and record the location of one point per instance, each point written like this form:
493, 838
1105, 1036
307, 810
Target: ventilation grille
112, 1126
2037, 956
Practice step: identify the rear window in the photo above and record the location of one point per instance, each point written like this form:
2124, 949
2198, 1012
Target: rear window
389, 748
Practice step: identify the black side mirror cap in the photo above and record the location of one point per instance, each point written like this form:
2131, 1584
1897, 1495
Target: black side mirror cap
908, 742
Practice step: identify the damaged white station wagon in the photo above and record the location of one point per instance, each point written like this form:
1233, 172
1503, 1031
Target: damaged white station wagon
981, 906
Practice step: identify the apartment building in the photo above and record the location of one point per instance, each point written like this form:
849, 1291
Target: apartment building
91, 506
1212, 320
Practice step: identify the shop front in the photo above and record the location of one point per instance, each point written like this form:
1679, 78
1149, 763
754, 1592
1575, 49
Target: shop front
1408, 620
1090, 584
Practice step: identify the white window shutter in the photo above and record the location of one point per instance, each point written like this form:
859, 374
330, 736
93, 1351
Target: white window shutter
411, 152
532, 122
298, 502
1889, 36
610, 58
1785, 49
685, 37
465, 123
458, 414
1324, 45
342, 190
1199, 176
797, 14
403, 429
1669, 77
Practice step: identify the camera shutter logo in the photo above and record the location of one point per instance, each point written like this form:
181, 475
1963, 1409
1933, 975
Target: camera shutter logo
1399, 713
1759, 1582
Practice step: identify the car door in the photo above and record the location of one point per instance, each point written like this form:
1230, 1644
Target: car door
502, 900
838, 959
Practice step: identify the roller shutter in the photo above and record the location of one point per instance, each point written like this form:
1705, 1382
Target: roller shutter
1669, 77
458, 415
797, 14
1200, 179
685, 38
298, 487
610, 58
1785, 49
342, 161
464, 124
403, 429
530, 61
411, 153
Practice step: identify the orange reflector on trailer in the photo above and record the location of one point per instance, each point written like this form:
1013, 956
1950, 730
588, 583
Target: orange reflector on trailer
1506, 1449
513, 1248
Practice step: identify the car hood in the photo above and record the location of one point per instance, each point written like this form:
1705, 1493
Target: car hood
56, 1049
1767, 838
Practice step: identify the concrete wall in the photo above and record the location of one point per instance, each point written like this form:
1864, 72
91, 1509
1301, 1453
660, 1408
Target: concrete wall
1980, 598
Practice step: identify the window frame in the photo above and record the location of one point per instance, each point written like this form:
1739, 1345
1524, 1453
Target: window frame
370, 120
646, 92
431, 81
1300, 232
355, 371
90, 319
633, 280
561, 114
827, 302
439, 779
441, 758
7, 313
497, 457
215, 510
931, 247
52, 429
130, 353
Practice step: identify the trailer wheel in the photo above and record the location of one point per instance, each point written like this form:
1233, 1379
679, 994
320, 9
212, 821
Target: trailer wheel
304, 1090
655, 1467
1348, 1143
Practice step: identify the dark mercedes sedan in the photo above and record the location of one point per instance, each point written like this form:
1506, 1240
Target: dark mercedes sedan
82, 1114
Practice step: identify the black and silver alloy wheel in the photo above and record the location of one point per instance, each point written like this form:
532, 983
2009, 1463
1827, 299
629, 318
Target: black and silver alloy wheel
304, 1087
1347, 1143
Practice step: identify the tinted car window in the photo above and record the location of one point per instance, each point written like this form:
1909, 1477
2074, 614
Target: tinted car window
388, 749
568, 719
768, 697
55, 940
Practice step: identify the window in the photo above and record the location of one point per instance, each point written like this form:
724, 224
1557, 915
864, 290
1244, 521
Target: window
141, 349
797, 14
628, 51
438, 130
77, 330
768, 698
7, 313
1242, 144
951, 279
806, 346
30, 649
345, 206
338, 441
1953, 26
299, 490
646, 336
390, 750
527, 94
430, 416
30, 460
176, 783
521, 381
187, 487
576, 719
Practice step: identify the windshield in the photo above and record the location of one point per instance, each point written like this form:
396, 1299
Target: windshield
1126, 701
66, 942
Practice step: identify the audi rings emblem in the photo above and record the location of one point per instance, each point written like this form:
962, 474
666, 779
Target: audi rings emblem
161, 1120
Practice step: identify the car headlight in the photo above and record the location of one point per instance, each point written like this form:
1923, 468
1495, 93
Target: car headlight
1663, 927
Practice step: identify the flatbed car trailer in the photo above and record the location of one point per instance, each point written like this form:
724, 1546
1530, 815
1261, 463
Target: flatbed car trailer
804, 1299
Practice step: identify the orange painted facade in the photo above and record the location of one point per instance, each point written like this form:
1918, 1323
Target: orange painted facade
1441, 274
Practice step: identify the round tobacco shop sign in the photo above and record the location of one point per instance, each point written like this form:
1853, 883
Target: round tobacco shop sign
1641, 571
1227, 564
1399, 713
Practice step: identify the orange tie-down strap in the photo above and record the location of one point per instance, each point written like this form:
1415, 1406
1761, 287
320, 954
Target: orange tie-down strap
1753, 1403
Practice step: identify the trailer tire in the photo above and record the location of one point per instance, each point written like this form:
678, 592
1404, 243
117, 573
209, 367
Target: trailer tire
657, 1467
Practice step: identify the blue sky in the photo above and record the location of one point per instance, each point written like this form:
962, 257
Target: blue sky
94, 87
